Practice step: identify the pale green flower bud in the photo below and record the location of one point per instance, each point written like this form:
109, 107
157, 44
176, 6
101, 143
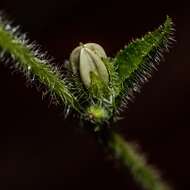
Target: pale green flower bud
87, 59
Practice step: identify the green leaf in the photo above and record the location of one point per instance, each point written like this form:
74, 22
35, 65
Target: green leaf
136, 62
33, 64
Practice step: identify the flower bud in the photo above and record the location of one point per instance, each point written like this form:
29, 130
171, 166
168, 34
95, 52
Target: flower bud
87, 59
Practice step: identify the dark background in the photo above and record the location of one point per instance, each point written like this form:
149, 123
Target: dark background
41, 150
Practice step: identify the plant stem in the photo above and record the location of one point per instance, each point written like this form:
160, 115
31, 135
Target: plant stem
144, 174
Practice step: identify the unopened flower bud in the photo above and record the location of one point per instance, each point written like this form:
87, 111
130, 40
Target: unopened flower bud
87, 59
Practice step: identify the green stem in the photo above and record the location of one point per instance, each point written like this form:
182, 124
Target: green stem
144, 174
33, 66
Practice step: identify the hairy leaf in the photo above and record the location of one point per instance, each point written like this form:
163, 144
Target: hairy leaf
136, 62
34, 65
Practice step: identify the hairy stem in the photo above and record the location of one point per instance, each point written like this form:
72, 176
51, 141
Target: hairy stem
129, 157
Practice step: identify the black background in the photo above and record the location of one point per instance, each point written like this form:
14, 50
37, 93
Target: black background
41, 150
